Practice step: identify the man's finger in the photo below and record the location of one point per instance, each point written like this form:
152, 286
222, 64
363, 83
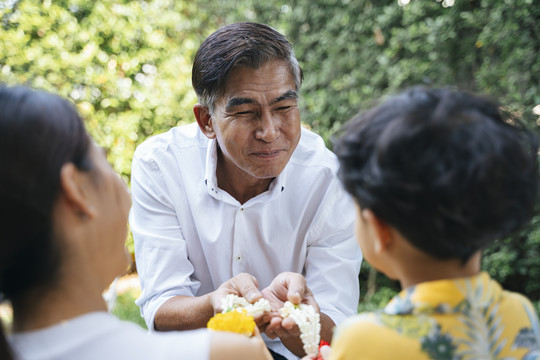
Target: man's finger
296, 288
247, 286
270, 333
263, 319
288, 324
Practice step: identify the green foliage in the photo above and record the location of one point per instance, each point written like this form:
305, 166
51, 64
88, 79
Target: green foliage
126, 64
6, 317
378, 300
515, 261
353, 52
376, 289
126, 309
127, 67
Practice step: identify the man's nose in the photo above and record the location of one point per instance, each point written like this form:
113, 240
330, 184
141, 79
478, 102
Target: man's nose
268, 130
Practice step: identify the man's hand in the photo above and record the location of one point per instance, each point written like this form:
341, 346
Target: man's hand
243, 285
292, 287
195, 311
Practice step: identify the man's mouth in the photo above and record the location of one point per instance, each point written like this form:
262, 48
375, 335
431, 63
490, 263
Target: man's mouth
269, 154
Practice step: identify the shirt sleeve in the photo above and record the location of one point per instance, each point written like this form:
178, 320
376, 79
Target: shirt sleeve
160, 249
334, 257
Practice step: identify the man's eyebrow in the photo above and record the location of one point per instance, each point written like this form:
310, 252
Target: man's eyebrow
291, 94
236, 101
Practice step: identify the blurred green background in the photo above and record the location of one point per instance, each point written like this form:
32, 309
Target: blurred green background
127, 67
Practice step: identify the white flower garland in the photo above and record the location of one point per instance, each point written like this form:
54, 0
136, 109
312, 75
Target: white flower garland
305, 317
309, 323
234, 302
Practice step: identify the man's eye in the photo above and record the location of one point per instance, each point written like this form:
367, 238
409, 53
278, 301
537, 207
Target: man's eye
244, 112
281, 108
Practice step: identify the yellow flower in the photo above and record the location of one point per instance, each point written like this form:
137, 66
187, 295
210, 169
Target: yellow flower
233, 321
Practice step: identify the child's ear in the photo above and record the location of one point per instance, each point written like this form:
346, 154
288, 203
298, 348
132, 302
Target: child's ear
382, 231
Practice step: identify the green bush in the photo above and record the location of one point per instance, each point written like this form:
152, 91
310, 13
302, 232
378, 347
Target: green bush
127, 64
354, 52
126, 309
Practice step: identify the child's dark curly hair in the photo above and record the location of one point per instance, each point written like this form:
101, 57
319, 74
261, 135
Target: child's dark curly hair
445, 168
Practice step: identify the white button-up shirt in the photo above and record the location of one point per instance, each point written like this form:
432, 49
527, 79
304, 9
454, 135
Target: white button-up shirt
191, 236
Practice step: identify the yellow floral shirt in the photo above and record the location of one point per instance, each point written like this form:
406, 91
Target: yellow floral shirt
468, 318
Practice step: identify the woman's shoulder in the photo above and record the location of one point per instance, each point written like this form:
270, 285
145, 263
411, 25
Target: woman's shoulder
101, 335
137, 343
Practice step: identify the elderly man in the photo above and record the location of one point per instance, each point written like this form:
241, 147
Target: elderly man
244, 201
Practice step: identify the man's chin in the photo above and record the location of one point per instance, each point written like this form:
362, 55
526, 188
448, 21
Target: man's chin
269, 171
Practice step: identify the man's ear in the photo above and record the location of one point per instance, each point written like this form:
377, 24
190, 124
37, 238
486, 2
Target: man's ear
73, 186
204, 119
382, 231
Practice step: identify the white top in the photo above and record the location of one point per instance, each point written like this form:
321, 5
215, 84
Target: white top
100, 335
191, 236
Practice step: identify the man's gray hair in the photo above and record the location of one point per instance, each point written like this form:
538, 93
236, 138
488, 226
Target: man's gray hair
240, 44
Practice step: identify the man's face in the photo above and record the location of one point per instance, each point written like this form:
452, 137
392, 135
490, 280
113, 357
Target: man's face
257, 121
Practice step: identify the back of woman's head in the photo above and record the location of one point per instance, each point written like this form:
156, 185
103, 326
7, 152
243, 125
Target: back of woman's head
443, 167
39, 132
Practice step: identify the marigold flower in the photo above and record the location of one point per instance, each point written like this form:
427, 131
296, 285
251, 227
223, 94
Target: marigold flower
237, 321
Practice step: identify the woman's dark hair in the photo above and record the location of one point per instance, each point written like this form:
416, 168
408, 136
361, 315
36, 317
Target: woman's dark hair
248, 44
444, 167
39, 133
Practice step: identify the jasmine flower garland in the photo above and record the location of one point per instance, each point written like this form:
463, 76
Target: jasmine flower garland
309, 323
237, 316
234, 302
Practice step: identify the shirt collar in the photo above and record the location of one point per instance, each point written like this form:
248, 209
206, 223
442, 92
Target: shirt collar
277, 186
210, 178
446, 296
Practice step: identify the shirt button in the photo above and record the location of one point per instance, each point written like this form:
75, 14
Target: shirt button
238, 257
241, 209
